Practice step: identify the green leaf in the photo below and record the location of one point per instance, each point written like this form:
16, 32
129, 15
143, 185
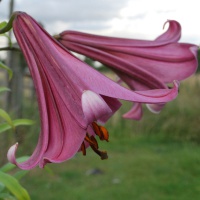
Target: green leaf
3, 24
4, 89
9, 166
6, 117
3, 66
4, 127
14, 187
26, 122
17, 122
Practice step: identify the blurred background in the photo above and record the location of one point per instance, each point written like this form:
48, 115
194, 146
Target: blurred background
128, 18
156, 158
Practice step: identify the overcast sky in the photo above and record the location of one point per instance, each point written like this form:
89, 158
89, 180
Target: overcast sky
142, 19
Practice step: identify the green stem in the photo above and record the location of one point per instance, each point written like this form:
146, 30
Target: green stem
9, 49
8, 25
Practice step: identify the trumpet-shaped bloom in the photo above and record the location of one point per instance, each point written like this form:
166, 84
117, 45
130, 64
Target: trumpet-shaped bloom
72, 97
141, 64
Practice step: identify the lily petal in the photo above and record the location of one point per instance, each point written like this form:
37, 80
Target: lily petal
94, 107
172, 34
134, 113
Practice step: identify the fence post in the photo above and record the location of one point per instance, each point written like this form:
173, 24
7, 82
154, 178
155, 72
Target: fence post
14, 98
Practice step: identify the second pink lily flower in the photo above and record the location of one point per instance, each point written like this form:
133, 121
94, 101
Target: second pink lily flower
141, 64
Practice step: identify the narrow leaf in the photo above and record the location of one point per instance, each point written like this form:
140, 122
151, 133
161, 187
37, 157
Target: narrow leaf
4, 89
17, 122
3, 66
9, 166
4, 127
14, 187
6, 117
26, 122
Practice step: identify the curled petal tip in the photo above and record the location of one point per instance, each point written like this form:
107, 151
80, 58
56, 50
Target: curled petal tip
170, 20
165, 24
11, 153
176, 83
172, 34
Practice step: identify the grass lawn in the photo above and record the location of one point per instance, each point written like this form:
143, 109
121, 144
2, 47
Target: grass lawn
142, 168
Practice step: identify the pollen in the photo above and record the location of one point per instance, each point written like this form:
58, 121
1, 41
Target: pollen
100, 131
103, 134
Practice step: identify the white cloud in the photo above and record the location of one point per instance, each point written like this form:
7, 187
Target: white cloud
127, 18
143, 18
81, 14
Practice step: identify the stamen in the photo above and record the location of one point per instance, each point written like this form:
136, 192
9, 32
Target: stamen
103, 135
91, 140
100, 131
96, 129
102, 154
83, 149
94, 142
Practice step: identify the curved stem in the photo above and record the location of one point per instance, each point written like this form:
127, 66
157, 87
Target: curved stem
8, 25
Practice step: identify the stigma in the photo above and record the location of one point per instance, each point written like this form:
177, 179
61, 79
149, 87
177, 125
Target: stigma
103, 134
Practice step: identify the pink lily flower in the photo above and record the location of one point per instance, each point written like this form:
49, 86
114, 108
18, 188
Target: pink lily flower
72, 97
141, 64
